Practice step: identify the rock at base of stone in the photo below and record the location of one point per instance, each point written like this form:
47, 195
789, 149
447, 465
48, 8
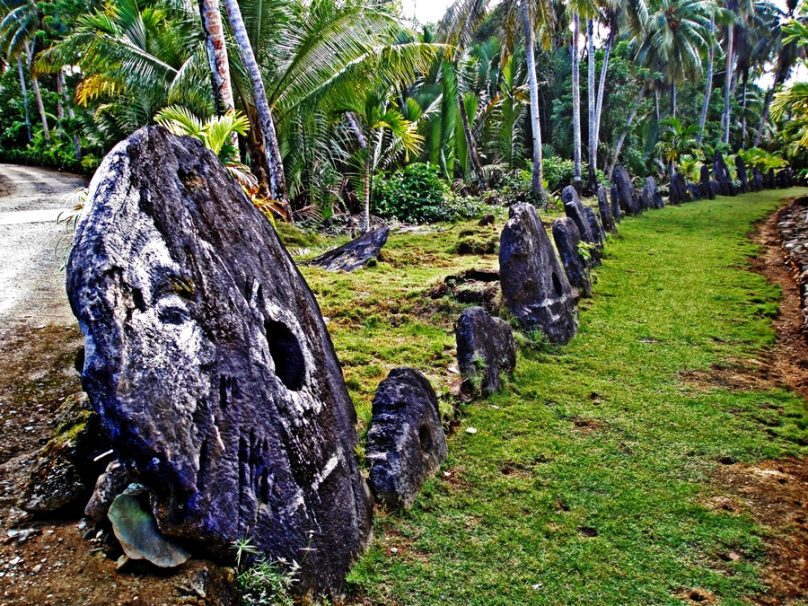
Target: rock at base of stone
534, 285
406, 443
485, 350
114, 481
784, 178
625, 191
136, 530
62, 473
567, 238
585, 220
771, 179
605, 210
694, 192
354, 254
757, 181
210, 366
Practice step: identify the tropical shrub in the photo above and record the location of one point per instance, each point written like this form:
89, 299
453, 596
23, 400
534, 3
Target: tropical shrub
415, 194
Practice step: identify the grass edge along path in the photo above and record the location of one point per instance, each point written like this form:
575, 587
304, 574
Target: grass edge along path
587, 481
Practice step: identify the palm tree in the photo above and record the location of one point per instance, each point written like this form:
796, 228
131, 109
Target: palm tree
576, 100
266, 125
216, 47
737, 10
708, 87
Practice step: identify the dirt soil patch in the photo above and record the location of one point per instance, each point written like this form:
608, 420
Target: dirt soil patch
775, 493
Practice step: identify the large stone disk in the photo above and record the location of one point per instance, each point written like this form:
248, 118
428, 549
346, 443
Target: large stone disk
209, 363
534, 285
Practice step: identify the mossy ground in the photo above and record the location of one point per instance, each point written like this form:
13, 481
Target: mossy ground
588, 480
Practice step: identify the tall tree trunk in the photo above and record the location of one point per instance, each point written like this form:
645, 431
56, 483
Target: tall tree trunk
471, 144
357, 129
60, 108
535, 122
726, 118
624, 134
216, 49
25, 103
364, 221
60, 83
607, 50
708, 89
271, 149
657, 113
576, 103
673, 99
743, 110
37, 93
591, 109
779, 77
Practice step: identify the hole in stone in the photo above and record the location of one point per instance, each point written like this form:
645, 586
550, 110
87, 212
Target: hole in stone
286, 353
557, 285
226, 387
137, 299
425, 437
263, 493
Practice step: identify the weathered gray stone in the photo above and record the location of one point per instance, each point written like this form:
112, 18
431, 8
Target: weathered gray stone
355, 254
614, 198
757, 181
406, 443
485, 350
567, 238
715, 188
596, 228
771, 179
112, 482
704, 183
136, 530
678, 189
629, 203
784, 179
740, 171
650, 193
722, 175
585, 220
534, 285
693, 191
605, 210
210, 364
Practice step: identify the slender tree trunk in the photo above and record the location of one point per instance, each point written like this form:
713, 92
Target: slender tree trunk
708, 89
216, 49
743, 106
576, 103
779, 78
357, 130
591, 109
25, 103
625, 132
471, 144
657, 113
728, 82
535, 123
602, 86
271, 148
364, 222
60, 82
673, 99
37, 94
60, 108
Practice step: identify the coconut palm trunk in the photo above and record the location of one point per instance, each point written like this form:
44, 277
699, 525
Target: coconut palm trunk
364, 221
673, 99
619, 146
726, 118
607, 50
24, 88
471, 144
37, 93
216, 49
576, 103
591, 109
535, 123
60, 108
779, 78
60, 85
266, 126
708, 88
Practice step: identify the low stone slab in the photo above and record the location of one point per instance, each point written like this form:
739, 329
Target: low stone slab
210, 366
567, 238
534, 284
485, 350
406, 443
757, 181
354, 254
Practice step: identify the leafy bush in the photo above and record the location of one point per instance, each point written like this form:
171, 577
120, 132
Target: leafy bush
56, 153
417, 194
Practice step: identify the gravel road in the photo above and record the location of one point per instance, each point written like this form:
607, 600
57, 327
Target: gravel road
32, 245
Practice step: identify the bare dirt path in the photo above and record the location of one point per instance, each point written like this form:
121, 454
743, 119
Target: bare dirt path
32, 245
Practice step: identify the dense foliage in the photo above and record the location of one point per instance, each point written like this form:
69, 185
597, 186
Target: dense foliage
347, 107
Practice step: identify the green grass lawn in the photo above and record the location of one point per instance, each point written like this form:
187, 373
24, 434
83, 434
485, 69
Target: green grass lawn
587, 479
